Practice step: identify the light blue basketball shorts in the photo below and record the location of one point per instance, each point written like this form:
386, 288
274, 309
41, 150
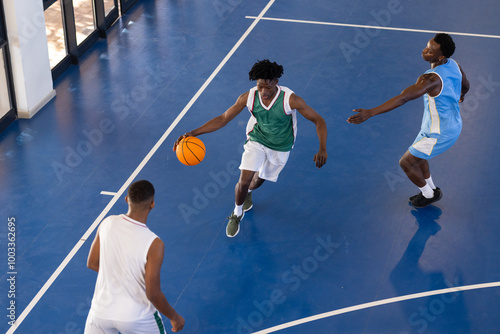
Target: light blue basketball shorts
428, 145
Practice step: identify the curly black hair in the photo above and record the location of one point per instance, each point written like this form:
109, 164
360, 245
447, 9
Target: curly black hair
264, 69
445, 43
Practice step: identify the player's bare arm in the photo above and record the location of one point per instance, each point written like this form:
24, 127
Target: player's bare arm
220, 121
427, 83
153, 285
296, 102
93, 258
465, 85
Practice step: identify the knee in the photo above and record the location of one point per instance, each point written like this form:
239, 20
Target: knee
244, 181
404, 164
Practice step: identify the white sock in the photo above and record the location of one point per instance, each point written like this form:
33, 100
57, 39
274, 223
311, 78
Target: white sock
238, 210
430, 182
427, 191
249, 191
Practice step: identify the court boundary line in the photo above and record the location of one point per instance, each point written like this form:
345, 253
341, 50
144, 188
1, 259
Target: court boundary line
138, 169
376, 303
374, 27
108, 193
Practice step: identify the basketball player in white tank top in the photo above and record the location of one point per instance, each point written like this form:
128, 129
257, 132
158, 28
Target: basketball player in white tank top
127, 257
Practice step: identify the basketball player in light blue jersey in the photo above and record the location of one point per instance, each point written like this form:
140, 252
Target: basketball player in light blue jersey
271, 132
443, 87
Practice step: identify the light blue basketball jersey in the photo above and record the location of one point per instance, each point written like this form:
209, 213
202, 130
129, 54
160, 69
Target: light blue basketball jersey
442, 112
441, 124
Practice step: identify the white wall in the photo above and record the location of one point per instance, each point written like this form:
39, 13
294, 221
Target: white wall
29, 54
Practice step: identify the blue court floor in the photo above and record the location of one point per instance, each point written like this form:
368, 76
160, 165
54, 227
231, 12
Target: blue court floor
337, 249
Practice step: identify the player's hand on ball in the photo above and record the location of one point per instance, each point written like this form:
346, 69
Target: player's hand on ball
179, 139
361, 116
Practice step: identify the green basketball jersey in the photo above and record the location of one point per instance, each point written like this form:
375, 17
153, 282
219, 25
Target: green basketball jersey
274, 126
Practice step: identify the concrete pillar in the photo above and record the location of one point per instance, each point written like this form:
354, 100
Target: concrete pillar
33, 86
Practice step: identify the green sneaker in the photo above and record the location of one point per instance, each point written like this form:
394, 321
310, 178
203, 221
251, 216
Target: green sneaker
233, 226
247, 205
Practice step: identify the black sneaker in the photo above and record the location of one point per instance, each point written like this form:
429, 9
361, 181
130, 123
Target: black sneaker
415, 196
420, 201
438, 194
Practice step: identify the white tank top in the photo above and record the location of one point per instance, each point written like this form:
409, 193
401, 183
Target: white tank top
120, 290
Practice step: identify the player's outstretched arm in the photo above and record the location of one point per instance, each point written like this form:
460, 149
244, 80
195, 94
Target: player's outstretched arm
93, 258
153, 285
298, 103
427, 83
220, 121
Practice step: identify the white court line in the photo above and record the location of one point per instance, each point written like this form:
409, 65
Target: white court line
373, 27
94, 225
108, 193
376, 303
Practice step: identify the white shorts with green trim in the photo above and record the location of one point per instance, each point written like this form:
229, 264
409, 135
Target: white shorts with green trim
258, 158
149, 325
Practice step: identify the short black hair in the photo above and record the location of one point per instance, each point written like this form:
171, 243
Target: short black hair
141, 192
445, 43
265, 69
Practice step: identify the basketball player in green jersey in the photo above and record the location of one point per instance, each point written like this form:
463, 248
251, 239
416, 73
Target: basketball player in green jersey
271, 132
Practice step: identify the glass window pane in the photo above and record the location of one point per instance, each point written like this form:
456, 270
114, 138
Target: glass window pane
108, 6
84, 19
5, 103
55, 34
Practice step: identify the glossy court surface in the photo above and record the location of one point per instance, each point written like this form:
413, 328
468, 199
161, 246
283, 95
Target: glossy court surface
318, 245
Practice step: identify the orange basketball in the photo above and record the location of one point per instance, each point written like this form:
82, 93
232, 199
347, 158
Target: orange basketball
190, 151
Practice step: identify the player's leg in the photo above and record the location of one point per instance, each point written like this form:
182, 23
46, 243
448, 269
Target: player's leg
251, 160
412, 166
425, 146
417, 170
241, 189
256, 182
271, 168
424, 167
438, 194
240, 192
